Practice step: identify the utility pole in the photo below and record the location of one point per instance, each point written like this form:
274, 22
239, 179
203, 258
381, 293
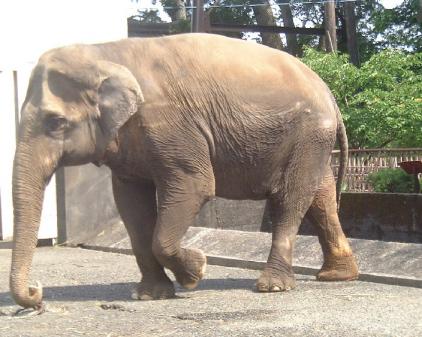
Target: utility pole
330, 26
198, 17
352, 44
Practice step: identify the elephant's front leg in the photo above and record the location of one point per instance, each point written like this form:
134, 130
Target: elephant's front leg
137, 206
180, 198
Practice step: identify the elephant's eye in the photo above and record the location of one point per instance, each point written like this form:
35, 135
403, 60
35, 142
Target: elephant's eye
56, 123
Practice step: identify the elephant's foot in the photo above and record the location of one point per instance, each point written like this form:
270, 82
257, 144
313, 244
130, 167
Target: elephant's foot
338, 268
154, 290
272, 280
194, 264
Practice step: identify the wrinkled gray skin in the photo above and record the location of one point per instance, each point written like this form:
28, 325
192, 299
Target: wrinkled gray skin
179, 120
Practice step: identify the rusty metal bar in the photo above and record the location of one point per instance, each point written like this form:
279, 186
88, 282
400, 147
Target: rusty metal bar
223, 27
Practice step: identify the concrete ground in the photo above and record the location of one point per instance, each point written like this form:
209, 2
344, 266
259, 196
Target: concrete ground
88, 294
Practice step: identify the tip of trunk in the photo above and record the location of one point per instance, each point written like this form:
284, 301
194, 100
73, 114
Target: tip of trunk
28, 298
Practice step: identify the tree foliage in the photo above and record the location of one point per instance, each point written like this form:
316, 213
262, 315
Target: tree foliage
149, 16
381, 101
380, 28
240, 15
377, 28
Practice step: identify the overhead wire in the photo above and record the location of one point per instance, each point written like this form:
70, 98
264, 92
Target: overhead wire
287, 3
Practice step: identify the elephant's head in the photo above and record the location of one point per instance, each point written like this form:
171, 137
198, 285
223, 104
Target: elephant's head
75, 104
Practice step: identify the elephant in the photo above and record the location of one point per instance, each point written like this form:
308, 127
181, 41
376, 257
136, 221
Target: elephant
179, 120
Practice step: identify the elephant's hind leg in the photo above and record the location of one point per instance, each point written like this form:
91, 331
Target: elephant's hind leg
180, 199
286, 216
298, 186
137, 206
339, 262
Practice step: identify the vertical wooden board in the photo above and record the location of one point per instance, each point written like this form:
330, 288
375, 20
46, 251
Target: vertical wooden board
48, 225
7, 148
12, 92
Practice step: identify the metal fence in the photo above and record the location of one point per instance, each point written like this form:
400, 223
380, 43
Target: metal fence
363, 162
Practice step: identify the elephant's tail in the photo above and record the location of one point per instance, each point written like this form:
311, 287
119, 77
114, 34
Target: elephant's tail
344, 153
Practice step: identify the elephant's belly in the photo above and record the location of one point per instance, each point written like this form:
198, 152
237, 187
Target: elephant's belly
246, 184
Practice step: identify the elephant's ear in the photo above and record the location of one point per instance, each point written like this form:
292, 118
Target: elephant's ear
119, 97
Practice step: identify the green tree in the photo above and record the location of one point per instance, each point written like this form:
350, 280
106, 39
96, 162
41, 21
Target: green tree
176, 9
381, 101
377, 28
149, 16
246, 12
380, 28
241, 15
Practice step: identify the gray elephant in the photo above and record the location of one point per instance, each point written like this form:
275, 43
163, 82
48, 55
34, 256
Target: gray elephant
180, 120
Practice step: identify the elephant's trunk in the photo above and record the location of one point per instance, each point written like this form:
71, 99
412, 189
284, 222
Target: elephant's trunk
29, 181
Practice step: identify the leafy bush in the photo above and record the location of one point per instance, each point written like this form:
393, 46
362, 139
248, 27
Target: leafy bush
381, 101
392, 180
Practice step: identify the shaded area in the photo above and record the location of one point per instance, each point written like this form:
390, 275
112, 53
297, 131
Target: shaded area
88, 211
122, 291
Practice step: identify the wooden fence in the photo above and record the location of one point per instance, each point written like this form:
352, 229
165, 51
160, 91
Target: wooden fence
363, 162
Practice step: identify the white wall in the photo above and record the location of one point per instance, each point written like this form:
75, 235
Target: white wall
27, 29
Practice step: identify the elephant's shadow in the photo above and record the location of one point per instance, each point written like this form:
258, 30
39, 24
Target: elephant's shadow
122, 291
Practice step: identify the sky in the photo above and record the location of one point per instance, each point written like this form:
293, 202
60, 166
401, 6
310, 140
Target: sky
27, 27
391, 3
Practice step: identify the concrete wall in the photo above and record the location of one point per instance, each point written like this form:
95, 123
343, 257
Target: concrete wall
371, 216
87, 208
383, 216
85, 202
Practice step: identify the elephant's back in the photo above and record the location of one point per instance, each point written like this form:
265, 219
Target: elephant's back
230, 82
251, 71
227, 57
241, 64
